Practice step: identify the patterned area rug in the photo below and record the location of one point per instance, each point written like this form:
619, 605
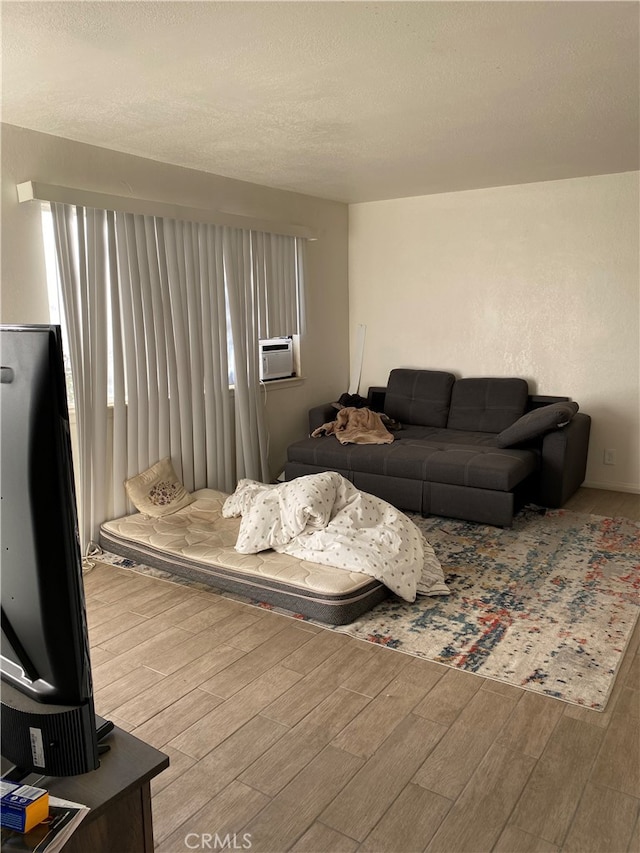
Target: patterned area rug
549, 604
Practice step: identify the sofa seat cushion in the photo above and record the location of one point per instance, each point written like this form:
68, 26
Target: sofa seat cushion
445, 436
478, 467
427, 459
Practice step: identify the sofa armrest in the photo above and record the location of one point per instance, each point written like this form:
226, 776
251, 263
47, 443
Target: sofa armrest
321, 415
564, 461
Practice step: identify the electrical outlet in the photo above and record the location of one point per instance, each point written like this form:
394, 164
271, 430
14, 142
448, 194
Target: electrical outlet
609, 456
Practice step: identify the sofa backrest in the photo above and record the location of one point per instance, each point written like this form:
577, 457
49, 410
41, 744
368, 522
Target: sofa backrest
487, 405
420, 397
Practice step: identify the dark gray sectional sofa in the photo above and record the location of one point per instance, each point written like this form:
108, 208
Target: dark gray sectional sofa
475, 449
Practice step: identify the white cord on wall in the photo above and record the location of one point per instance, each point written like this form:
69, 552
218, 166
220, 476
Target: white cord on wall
356, 371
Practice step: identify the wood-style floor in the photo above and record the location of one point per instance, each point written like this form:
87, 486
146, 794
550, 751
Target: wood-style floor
286, 736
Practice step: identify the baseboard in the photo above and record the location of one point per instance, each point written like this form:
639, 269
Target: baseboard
612, 487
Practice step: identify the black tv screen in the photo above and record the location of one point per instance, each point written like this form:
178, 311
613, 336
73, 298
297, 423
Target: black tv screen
48, 721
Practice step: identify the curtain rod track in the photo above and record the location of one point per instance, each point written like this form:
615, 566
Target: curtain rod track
37, 191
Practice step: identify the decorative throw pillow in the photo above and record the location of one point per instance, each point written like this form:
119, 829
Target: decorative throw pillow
537, 422
158, 491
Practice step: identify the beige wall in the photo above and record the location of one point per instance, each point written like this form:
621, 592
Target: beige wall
27, 155
537, 280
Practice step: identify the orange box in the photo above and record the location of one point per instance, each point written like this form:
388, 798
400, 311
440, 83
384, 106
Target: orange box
22, 806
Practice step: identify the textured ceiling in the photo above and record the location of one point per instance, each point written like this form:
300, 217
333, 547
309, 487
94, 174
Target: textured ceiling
353, 101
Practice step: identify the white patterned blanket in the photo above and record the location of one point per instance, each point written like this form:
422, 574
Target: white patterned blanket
325, 519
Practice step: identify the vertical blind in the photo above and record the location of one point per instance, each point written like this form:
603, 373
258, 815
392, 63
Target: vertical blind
278, 275
167, 309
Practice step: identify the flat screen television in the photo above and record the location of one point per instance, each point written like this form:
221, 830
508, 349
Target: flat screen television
48, 720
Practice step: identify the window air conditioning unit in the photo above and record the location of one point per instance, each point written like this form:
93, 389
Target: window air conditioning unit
276, 358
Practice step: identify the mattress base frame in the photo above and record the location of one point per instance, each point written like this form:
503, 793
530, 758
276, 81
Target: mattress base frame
338, 609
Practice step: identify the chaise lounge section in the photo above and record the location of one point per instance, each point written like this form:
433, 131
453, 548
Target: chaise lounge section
475, 449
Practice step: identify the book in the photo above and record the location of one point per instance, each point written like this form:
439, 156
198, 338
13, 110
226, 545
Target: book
50, 835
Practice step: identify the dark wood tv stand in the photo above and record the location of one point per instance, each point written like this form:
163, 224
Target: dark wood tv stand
118, 794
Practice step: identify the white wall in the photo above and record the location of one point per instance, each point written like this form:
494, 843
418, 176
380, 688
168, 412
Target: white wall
27, 155
536, 280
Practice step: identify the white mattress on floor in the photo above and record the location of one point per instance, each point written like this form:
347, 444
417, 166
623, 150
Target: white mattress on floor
199, 533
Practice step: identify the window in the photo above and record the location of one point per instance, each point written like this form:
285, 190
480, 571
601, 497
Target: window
277, 272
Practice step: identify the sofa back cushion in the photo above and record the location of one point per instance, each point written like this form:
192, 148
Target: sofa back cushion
419, 397
487, 405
